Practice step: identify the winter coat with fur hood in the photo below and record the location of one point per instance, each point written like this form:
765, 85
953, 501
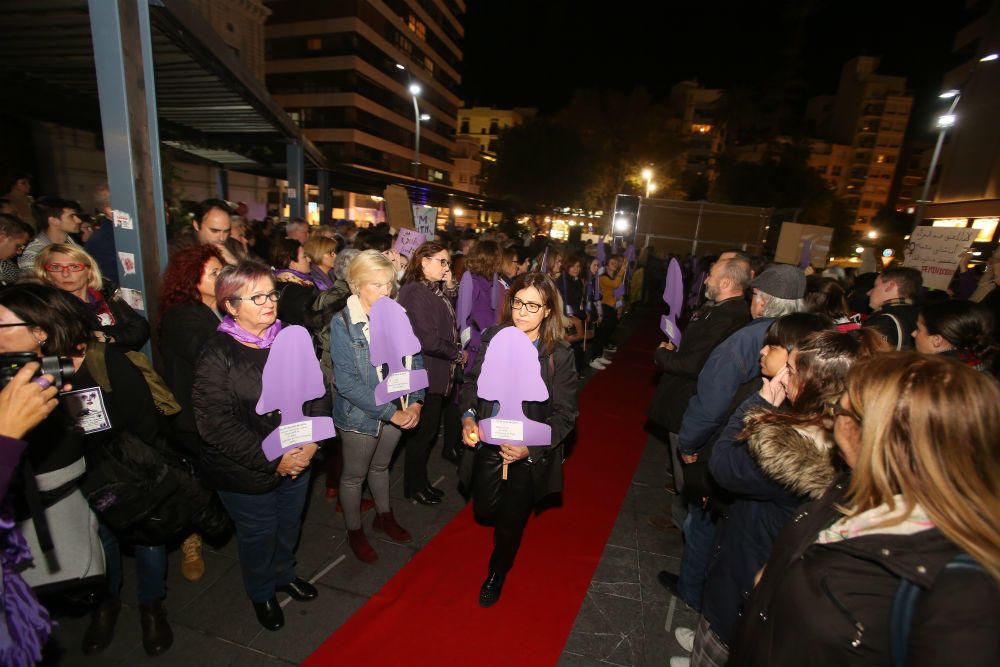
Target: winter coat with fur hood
769, 475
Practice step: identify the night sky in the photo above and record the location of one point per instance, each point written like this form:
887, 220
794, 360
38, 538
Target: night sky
537, 52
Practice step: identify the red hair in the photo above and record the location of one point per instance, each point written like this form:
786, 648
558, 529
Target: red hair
184, 272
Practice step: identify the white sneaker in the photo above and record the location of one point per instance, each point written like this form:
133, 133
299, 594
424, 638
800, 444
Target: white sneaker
604, 360
680, 661
596, 365
684, 637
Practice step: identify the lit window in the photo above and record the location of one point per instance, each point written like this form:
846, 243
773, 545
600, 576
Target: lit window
880, 158
314, 44
987, 227
701, 129
417, 26
951, 222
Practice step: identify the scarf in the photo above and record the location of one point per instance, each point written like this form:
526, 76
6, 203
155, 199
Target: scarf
99, 306
320, 279
293, 276
230, 327
873, 521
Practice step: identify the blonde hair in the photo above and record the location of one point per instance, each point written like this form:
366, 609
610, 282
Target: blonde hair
317, 246
928, 432
77, 254
368, 263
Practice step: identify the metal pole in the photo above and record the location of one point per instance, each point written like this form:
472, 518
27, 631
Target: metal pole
123, 62
416, 142
697, 229
325, 200
222, 183
922, 204
296, 180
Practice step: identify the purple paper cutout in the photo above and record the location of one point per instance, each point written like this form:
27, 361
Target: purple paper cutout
292, 376
673, 296
392, 338
602, 256
511, 374
630, 253
806, 260
463, 308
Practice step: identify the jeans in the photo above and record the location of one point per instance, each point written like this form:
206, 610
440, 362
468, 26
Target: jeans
699, 535
267, 528
150, 567
366, 457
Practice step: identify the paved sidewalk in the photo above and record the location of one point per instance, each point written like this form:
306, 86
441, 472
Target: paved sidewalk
622, 620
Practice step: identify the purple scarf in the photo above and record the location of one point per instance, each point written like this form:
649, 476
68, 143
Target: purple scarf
230, 327
304, 277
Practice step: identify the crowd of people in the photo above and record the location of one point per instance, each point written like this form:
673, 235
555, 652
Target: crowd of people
832, 436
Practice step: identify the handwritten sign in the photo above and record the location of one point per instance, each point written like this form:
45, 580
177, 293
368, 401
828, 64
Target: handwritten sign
407, 241
425, 220
935, 251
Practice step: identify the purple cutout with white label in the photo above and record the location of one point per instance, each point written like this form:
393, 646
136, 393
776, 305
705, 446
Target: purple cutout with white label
673, 296
511, 374
392, 338
292, 376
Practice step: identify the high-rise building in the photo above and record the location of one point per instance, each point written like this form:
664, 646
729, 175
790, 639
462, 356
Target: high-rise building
344, 70
695, 116
869, 113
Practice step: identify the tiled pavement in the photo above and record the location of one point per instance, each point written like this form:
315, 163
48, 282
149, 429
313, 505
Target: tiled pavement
626, 618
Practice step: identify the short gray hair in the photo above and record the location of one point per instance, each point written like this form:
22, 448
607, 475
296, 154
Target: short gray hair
775, 307
344, 258
737, 269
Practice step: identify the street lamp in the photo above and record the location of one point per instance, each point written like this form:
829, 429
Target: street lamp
647, 175
943, 123
415, 91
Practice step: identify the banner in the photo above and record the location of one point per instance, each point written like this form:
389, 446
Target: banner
936, 251
425, 221
407, 240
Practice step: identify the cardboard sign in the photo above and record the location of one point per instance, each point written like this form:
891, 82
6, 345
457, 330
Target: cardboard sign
407, 241
935, 251
425, 221
792, 244
398, 211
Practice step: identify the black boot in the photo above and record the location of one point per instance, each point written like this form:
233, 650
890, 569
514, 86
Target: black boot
102, 625
489, 594
157, 636
269, 614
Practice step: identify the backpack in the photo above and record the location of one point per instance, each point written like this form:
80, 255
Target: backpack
163, 398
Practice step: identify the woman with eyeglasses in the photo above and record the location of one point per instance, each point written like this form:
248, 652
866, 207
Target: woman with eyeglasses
534, 306
265, 499
428, 295
69, 268
369, 431
774, 454
899, 561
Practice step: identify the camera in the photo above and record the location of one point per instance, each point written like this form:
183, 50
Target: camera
60, 368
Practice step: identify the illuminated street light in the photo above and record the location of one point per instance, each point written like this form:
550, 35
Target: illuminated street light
947, 120
873, 234
991, 57
621, 224
425, 116
647, 174
399, 66
415, 89
859, 250
650, 188
458, 212
948, 94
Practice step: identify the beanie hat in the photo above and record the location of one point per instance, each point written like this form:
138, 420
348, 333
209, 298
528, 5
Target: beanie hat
782, 281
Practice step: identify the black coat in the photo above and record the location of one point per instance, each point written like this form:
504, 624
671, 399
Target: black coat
708, 327
227, 386
295, 306
829, 604
183, 330
434, 325
130, 330
559, 411
905, 314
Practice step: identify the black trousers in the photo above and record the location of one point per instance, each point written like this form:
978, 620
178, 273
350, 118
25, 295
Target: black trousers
505, 504
419, 444
607, 326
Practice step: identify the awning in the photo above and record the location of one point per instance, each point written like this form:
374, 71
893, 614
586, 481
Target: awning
208, 104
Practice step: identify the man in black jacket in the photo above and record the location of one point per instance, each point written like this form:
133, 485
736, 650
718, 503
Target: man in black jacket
891, 299
724, 313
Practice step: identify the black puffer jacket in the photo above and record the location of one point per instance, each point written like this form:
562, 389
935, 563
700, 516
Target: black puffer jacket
559, 374
227, 386
184, 328
829, 604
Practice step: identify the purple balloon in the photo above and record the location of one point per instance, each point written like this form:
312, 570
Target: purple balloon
511, 374
392, 338
292, 376
463, 308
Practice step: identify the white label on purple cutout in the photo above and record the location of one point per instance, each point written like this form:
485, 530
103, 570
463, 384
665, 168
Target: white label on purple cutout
297, 433
507, 429
398, 382
466, 335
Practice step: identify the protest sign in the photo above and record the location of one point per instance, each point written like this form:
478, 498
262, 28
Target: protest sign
408, 240
936, 251
425, 220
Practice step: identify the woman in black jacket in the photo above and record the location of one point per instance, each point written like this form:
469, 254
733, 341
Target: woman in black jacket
291, 267
264, 498
534, 306
189, 317
919, 433
428, 294
72, 270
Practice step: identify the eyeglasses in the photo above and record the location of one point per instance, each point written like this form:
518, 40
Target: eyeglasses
259, 299
17, 324
75, 267
530, 306
444, 262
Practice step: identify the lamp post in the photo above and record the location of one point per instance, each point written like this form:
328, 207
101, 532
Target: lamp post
414, 92
943, 123
647, 175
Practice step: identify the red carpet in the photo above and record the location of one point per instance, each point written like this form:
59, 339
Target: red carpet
428, 613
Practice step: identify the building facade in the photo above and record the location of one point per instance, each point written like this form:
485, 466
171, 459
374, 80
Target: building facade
343, 70
869, 113
831, 161
695, 117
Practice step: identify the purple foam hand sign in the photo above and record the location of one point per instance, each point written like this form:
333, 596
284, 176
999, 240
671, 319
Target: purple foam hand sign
392, 338
602, 255
673, 296
292, 376
463, 308
511, 375
806, 258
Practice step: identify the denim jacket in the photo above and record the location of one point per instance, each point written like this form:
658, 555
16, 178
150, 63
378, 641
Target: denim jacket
355, 378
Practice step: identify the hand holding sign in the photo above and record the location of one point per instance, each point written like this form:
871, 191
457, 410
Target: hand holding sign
292, 376
392, 338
